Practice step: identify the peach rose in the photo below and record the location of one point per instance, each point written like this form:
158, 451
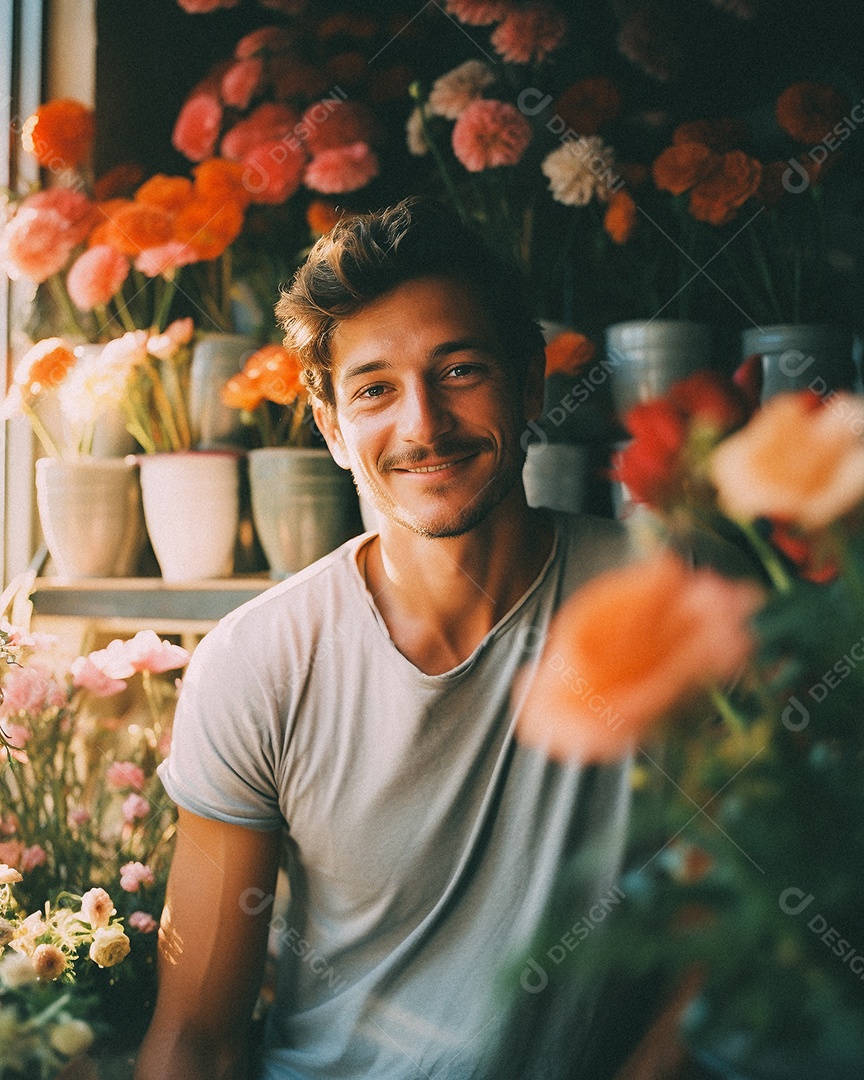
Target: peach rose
96, 276
97, 907
627, 649
110, 946
799, 459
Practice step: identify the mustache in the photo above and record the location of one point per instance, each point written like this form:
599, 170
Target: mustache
445, 448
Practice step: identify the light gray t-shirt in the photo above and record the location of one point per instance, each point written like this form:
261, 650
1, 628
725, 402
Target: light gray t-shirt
423, 842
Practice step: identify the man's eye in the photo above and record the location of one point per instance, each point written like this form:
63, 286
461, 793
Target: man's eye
462, 371
372, 391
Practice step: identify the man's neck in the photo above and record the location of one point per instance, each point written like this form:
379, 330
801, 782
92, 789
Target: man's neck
440, 597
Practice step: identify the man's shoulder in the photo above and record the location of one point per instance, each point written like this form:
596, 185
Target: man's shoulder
591, 545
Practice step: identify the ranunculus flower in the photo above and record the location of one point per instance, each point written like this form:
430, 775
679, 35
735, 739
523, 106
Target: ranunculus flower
73, 206
135, 874
97, 907
217, 178
197, 127
720, 195
33, 856
344, 168
32, 689
49, 962
272, 171
208, 227
35, 244
146, 651
270, 121
567, 352
96, 276
490, 133
799, 459
168, 193
175, 335
479, 12
124, 774
630, 647
619, 221
143, 922
134, 808
138, 226
808, 111
44, 366
59, 134
165, 258
241, 80
328, 124
110, 945
452, 92
530, 33
682, 166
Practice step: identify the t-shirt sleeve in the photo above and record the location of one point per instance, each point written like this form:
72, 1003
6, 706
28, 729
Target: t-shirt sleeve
222, 762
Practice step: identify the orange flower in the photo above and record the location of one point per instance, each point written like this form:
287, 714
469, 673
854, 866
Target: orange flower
120, 180
719, 197
60, 134
718, 135
799, 460
168, 193
589, 104
241, 392
208, 226
276, 372
217, 179
619, 221
682, 166
567, 352
44, 366
136, 227
321, 216
630, 647
808, 111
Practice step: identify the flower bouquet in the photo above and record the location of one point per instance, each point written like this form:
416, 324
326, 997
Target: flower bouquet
728, 661
85, 826
272, 397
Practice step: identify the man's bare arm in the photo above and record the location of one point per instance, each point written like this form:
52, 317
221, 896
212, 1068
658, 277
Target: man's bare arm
212, 945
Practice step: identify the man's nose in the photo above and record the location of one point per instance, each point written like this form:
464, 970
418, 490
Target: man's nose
425, 414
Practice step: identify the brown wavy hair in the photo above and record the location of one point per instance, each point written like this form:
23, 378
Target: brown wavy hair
366, 255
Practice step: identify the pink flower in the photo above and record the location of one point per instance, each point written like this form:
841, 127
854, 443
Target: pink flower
344, 168
489, 134
144, 652
479, 12
35, 245
16, 734
32, 689
176, 334
142, 921
197, 127
87, 676
96, 276
273, 171
124, 774
268, 122
530, 33
78, 816
271, 38
241, 80
135, 874
134, 808
73, 206
97, 907
328, 124
31, 857
165, 258
204, 7
10, 853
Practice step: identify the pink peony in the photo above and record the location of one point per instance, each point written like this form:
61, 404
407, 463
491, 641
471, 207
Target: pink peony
96, 276
273, 171
204, 7
530, 33
241, 80
165, 258
489, 134
134, 808
32, 689
328, 124
135, 874
271, 38
344, 168
197, 127
73, 206
87, 676
142, 921
176, 334
16, 734
35, 244
124, 774
478, 12
268, 122
31, 857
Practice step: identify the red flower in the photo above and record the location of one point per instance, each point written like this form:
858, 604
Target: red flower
489, 134
326, 125
619, 221
808, 111
197, 126
809, 555
344, 168
589, 104
273, 171
682, 166
530, 33
567, 352
60, 134
718, 198
267, 123
241, 80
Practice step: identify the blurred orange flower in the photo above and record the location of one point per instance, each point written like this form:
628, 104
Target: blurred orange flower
589, 104
44, 366
169, 193
59, 134
121, 180
808, 111
136, 227
718, 198
241, 392
208, 227
276, 371
630, 647
321, 216
619, 221
682, 165
219, 178
567, 352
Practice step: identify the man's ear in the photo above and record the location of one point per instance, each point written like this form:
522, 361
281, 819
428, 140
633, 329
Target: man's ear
325, 418
534, 383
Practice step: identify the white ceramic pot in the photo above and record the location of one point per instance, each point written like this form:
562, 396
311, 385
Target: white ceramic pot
215, 358
90, 510
191, 506
796, 356
304, 506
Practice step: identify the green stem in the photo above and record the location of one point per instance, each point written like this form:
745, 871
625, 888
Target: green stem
123, 311
733, 719
40, 430
780, 579
442, 166
61, 297
160, 316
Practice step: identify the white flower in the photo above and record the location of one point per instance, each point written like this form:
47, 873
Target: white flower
415, 136
24, 938
71, 1037
100, 376
110, 946
16, 970
8, 875
456, 89
580, 169
49, 962
97, 907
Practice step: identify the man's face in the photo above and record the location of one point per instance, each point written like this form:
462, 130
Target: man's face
427, 416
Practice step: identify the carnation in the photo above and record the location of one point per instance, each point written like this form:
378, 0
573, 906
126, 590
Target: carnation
35, 244
96, 276
135, 874
32, 689
267, 123
489, 134
134, 808
328, 124
579, 170
530, 33
197, 127
73, 206
143, 922
124, 774
273, 171
344, 168
456, 89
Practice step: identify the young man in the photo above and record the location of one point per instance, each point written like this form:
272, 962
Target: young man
364, 706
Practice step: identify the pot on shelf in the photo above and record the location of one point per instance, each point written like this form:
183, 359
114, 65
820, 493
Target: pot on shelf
303, 505
215, 358
90, 511
795, 356
191, 507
